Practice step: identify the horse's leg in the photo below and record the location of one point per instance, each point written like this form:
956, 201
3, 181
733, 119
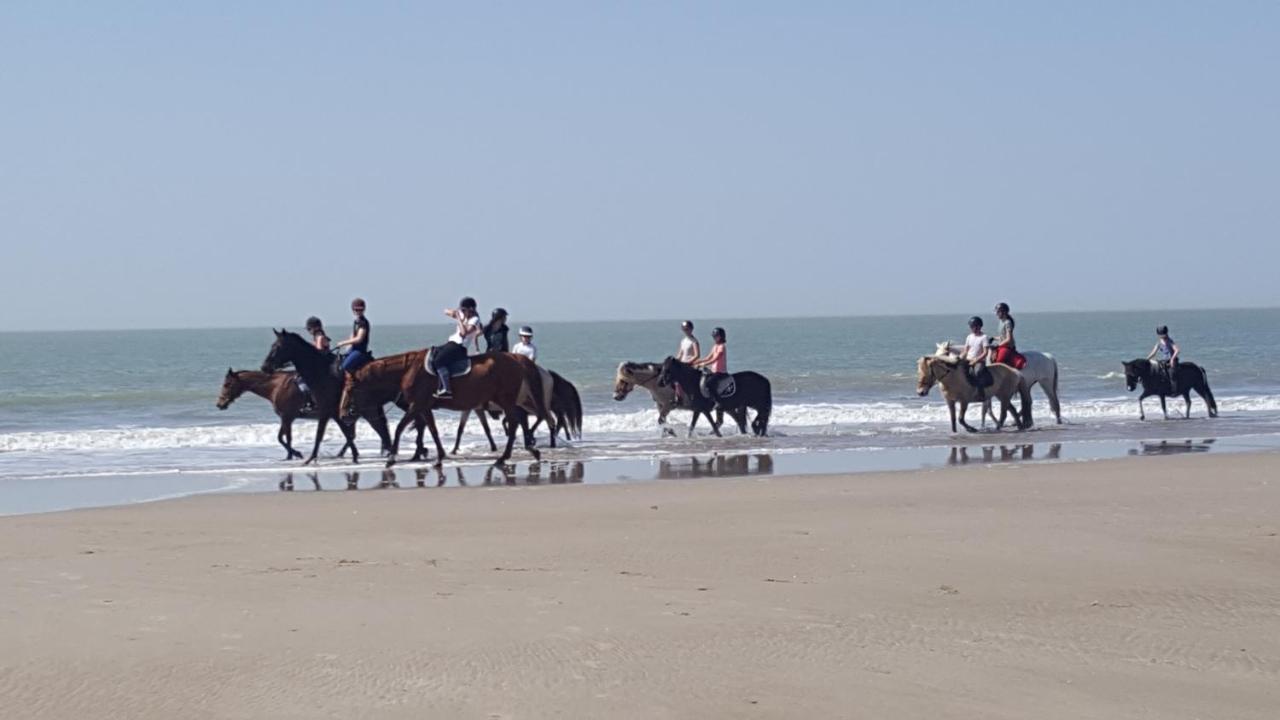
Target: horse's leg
1186, 397
964, 410
435, 436
530, 446
740, 417
1164, 408
662, 422
484, 423
288, 451
320, 426
509, 425
395, 439
715, 425
462, 425
693, 423
951, 407
349, 433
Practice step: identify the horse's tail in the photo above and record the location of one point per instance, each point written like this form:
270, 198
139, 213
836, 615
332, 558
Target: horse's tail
574, 410
1054, 403
1208, 394
765, 409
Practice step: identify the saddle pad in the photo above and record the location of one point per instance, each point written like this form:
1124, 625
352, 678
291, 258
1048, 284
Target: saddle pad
723, 387
458, 369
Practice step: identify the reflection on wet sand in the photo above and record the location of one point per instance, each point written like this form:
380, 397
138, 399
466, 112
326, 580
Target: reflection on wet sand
1167, 447
961, 455
543, 473
718, 466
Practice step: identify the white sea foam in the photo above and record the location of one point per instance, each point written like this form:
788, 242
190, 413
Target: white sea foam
858, 419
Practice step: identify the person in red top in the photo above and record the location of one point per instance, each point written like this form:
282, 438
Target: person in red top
715, 365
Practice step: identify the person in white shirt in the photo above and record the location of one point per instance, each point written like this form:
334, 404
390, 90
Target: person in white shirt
526, 347
467, 331
975, 351
689, 350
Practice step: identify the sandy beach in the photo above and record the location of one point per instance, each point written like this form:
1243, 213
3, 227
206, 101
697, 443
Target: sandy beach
1141, 588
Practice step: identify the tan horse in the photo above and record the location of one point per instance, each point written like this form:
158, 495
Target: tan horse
949, 374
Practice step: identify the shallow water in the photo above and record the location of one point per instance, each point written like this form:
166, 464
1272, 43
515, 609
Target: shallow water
135, 409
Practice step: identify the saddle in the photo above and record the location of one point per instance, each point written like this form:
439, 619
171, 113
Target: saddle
718, 387
457, 369
982, 379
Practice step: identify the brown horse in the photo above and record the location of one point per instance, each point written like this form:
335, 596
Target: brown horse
380, 384
495, 378
282, 391
949, 373
563, 401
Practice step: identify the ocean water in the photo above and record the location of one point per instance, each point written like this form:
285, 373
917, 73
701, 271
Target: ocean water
141, 403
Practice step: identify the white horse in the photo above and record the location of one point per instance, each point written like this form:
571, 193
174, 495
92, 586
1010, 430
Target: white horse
1041, 369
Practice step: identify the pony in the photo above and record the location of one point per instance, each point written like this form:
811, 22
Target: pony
494, 378
752, 390
1041, 369
1190, 377
949, 374
631, 375
282, 391
318, 369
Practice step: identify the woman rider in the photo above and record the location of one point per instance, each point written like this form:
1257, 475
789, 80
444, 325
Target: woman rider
495, 333
715, 364
467, 331
1006, 347
320, 341
1166, 355
359, 340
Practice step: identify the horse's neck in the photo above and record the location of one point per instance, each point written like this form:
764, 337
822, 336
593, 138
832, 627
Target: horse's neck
955, 384
259, 383
311, 365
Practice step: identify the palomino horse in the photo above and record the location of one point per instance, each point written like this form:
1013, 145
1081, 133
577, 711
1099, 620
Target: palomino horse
949, 374
752, 390
382, 387
316, 368
632, 375
497, 378
282, 391
1041, 369
1189, 375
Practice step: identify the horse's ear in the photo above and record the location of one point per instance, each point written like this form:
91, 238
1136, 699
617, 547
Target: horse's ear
277, 332
230, 372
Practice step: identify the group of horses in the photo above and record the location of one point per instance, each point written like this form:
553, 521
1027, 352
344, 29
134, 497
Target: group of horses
946, 369
525, 395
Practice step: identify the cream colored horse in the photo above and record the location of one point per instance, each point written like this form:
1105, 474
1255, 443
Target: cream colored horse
949, 374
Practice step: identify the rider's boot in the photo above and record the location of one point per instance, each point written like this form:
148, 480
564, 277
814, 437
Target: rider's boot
443, 392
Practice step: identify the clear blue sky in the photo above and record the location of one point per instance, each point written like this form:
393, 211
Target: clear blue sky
182, 164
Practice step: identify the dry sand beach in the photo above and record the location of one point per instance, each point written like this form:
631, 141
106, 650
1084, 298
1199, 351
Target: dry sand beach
1141, 588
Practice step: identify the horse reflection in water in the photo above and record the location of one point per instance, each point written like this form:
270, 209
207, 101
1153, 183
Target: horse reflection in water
960, 454
1164, 447
717, 466
538, 473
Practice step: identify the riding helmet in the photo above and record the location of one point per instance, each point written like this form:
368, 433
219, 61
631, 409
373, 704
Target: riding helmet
499, 312
467, 303
717, 333
357, 304
687, 325
1002, 307
975, 321
526, 331
313, 324
1162, 330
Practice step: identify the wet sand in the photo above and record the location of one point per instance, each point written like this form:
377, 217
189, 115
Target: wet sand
1135, 588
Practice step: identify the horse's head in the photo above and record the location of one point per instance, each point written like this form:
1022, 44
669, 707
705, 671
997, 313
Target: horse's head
232, 388
668, 367
944, 349
930, 370
278, 356
622, 384
1132, 374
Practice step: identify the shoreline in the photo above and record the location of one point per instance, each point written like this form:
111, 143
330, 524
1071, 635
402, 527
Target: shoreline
1116, 588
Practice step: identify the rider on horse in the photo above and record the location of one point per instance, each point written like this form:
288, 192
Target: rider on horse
975, 354
1006, 350
495, 333
467, 331
359, 340
715, 365
526, 347
1166, 356
321, 342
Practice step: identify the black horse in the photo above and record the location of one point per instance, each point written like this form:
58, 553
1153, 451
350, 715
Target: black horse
1154, 382
751, 390
317, 369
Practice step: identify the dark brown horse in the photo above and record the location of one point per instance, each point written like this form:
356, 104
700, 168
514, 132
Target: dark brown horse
282, 391
380, 384
566, 407
495, 378
317, 369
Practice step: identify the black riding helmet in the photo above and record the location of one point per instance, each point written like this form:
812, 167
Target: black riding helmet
975, 321
717, 333
314, 324
1002, 307
1162, 330
467, 303
499, 313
